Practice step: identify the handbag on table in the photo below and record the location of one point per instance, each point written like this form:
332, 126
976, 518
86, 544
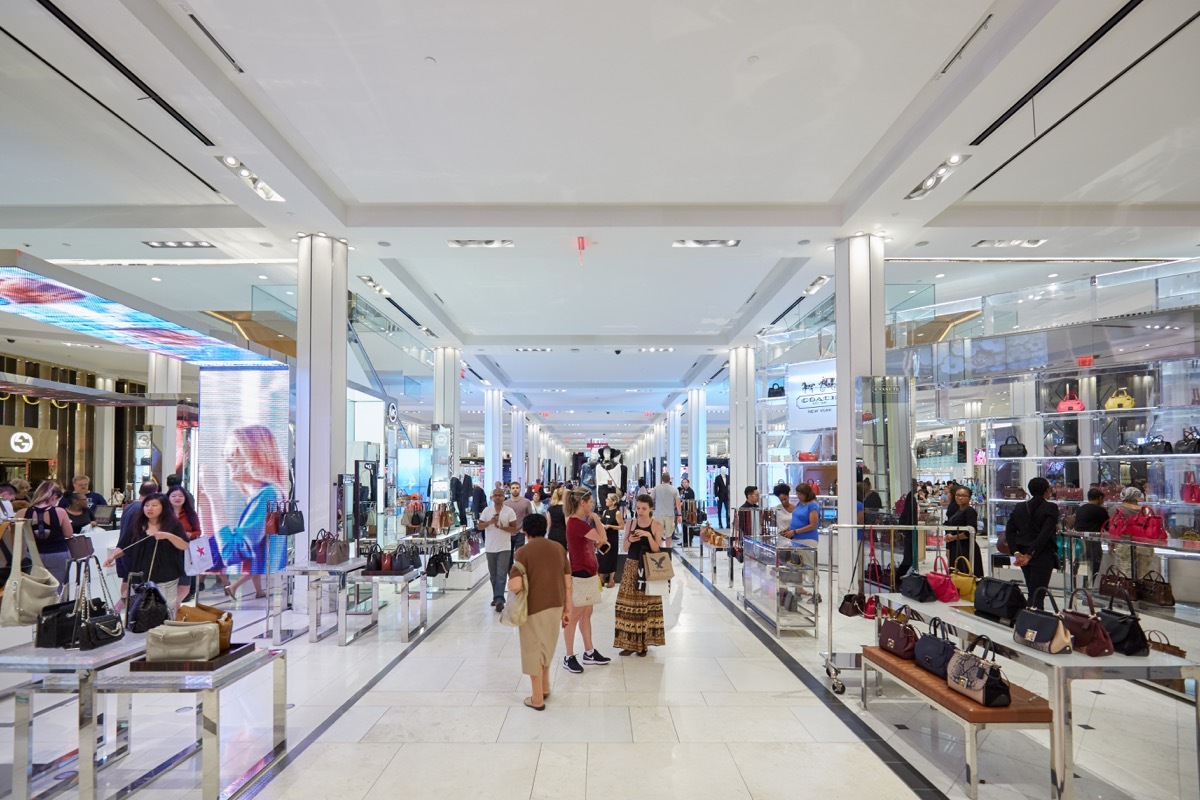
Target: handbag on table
291, 519
1159, 641
1042, 630
1115, 582
58, 623
1146, 525
183, 641
374, 557
897, 636
516, 604
964, 582
202, 613
1121, 398
1070, 402
942, 582
397, 561
26, 593
978, 677
998, 600
337, 551
1155, 446
1012, 448
319, 547
776, 390
1087, 632
1125, 630
934, 649
914, 586
1154, 588
80, 546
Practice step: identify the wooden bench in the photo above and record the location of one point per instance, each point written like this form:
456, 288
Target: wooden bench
1026, 711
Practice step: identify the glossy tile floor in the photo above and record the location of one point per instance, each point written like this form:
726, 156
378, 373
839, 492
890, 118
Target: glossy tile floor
714, 714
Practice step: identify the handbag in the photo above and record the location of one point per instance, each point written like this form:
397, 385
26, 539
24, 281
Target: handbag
941, 582
877, 574
934, 649
1146, 525
516, 604
1070, 402
26, 594
852, 604
914, 586
1126, 448
271, 523
319, 546
58, 623
1190, 443
398, 561
96, 628
374, 558
203, 613
1155, 446
80, 546
414, 557
183, 641
1154, 588
337, 551
977, 677
658, 566
1159, 641
964, 582
1012, 448
385, 562
1067, 448
871, 609
805, 456
1125, 630
1189, 491
147, 607
897, 636
1087, 632
1114, 581
1042, 630
776, 390
1121, 398
291, 519
998, 600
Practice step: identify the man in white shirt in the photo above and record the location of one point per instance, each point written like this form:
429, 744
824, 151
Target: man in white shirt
667, 508
498, 522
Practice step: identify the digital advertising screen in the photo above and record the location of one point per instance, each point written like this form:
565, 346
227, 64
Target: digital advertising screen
242, 465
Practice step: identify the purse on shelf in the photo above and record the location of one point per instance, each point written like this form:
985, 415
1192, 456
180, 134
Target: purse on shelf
805, 456
1154, 588
1070, 402
934, 649
291, 519
776, 390
942, 583
1121, 398
1114, 582
1126, 448
1125, 630
1155, 446
202, 613
978, 677
998, 600
25, 593
183, 641
915, 586
1042, 630
897, 636
1190, 443
964, 582
1012, 448
1087, 631
1189, 490
853, 604
1146, 525
1067, 448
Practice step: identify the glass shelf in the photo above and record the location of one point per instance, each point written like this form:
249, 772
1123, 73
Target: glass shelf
800, 463
1115, 413
1193, 456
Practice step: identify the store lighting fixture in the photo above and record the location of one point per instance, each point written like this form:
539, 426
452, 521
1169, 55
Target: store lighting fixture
940, 275
1001, 243
168, 262
375, 287
157, 245
830, 248
75, 344
706, 243
816, 285
1052, 275
156, 279
533, 349
247, 176
262, 277
656, 350
935, 178
489, 243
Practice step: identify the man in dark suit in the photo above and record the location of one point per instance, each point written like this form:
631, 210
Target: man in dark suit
1032, 538
721, 491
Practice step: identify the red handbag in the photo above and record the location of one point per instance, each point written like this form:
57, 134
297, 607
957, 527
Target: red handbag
803, 456
1147, 525
941, 583
1070, 402
897, 636
1190, 490
1117, 525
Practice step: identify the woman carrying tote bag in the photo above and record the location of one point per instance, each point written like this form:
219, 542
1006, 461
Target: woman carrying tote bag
545, 575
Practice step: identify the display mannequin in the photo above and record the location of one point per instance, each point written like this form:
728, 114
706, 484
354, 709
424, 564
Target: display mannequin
721, 492
611, 473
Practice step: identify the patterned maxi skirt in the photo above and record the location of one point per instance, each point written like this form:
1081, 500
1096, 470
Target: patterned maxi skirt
639, 617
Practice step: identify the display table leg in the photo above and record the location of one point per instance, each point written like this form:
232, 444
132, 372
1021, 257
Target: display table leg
1062, 751
22, 743
279, 706
424, 600
124, 717
210, 744
405, 619
87, 735
374, 602
314, 607
343, 607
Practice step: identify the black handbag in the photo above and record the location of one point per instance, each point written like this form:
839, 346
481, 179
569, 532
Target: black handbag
1126, 449
400, 562
1067, 448
1012, 448
1190, 443
291, 520
934, 649
414, 557
58, 624
147, 607
97, 629
374, 558
1125, 630
999, 600
914, 586
776, 390
1155, 446
1042, 630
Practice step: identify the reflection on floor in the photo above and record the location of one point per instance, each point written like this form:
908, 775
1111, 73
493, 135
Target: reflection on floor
715, 714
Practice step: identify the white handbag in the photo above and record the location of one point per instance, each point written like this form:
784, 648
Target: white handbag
658, 588
25, 595
183, 641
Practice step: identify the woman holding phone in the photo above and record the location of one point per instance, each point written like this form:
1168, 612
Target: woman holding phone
639, 616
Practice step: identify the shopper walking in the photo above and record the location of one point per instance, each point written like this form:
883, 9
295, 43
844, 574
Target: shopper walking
585, 535
147, 489
498, 522
721, 492
961, 544
1032, 539
667, 508
1090, 518
51, 529
522, 507
614, 522
556, 518
161, 560
184, 509
639, 617
548, 580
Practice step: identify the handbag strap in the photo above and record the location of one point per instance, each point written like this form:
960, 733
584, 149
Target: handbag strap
989, 648
1087, 596
969, 571
945, 570
1043, 591
935, 625
1128, 603
25, 537
1154, 576
1162, 637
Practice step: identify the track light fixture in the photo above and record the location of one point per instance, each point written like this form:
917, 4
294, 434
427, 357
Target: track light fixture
247, 176
935, 178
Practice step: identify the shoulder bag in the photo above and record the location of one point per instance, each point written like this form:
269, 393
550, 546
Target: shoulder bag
934, 649
516, 604
897, 636
398, 561
978, 677
998, 600
58, 623
80, 546
337, 551
183, 641
203, 613
271, 523
914, 586
876, 573
1121, 398
1154, 588
776, 390
964, 582
1070, 402
852, 604
1087, 632
1012, 448
96, 629
1114, 581
1155, 446
1125, 630
1126, 448
1042, 630
942, 582
291, 519
147, 607
26, 594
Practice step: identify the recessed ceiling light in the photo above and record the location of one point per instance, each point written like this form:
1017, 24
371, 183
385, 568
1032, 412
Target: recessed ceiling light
291, 293
935, 178
940, 275
156, 279
816, 285
170, 244
888, 239
262, 277
485, 243
912, 291
706, 242
244, 172
803, 242
830, 247
152, 244
279, 336
231, 161
955, 160
1052, 275
295, 240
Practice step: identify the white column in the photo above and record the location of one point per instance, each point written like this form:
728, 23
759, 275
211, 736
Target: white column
414, 433
675, 443
321, 310
698, 444
447, 383
493, 438
860, 320
104, 479
743, 447
519, 471
165, 377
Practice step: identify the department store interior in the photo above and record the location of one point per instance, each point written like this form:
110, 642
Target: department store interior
878, 319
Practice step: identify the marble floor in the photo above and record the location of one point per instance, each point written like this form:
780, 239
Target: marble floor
717, 713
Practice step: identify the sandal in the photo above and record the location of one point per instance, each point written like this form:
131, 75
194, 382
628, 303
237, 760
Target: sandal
230, 593
529, 704
625, 653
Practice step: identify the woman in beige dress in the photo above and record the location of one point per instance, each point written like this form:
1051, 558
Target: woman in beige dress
549, 602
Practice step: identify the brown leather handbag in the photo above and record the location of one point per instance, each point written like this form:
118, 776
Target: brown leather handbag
1114, 582
897, 636
1088, 633
1159, 641
203, 613
1153, 588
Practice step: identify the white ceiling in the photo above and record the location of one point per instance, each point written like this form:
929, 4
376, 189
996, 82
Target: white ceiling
628, 124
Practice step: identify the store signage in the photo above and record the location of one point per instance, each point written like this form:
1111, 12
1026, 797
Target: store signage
812, 395
25, 443
1085, 361
393, 413
20, 442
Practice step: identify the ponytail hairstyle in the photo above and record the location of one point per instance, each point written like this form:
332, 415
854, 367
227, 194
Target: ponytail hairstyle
574, 499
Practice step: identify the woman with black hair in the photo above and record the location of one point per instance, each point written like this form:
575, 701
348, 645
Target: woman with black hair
160, 561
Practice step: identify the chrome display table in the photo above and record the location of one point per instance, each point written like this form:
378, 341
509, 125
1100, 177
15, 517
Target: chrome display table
319, 576
403, 582
1059, 670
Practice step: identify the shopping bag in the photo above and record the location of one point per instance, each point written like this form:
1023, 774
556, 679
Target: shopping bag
198, 558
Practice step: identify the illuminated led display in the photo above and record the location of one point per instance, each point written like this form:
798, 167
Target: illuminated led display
44, 300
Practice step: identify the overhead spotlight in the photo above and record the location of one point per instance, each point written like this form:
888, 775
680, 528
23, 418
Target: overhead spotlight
230, 161
830, 248
488, 243
935, 178
955, 160
940, 275
244, 172
156, 279
262, 277
816, 285
323, 235
154, 244
170, 244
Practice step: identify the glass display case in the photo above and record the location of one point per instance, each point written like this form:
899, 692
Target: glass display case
779, 580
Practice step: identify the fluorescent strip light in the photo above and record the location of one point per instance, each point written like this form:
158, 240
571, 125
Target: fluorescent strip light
706, 243
167, 262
